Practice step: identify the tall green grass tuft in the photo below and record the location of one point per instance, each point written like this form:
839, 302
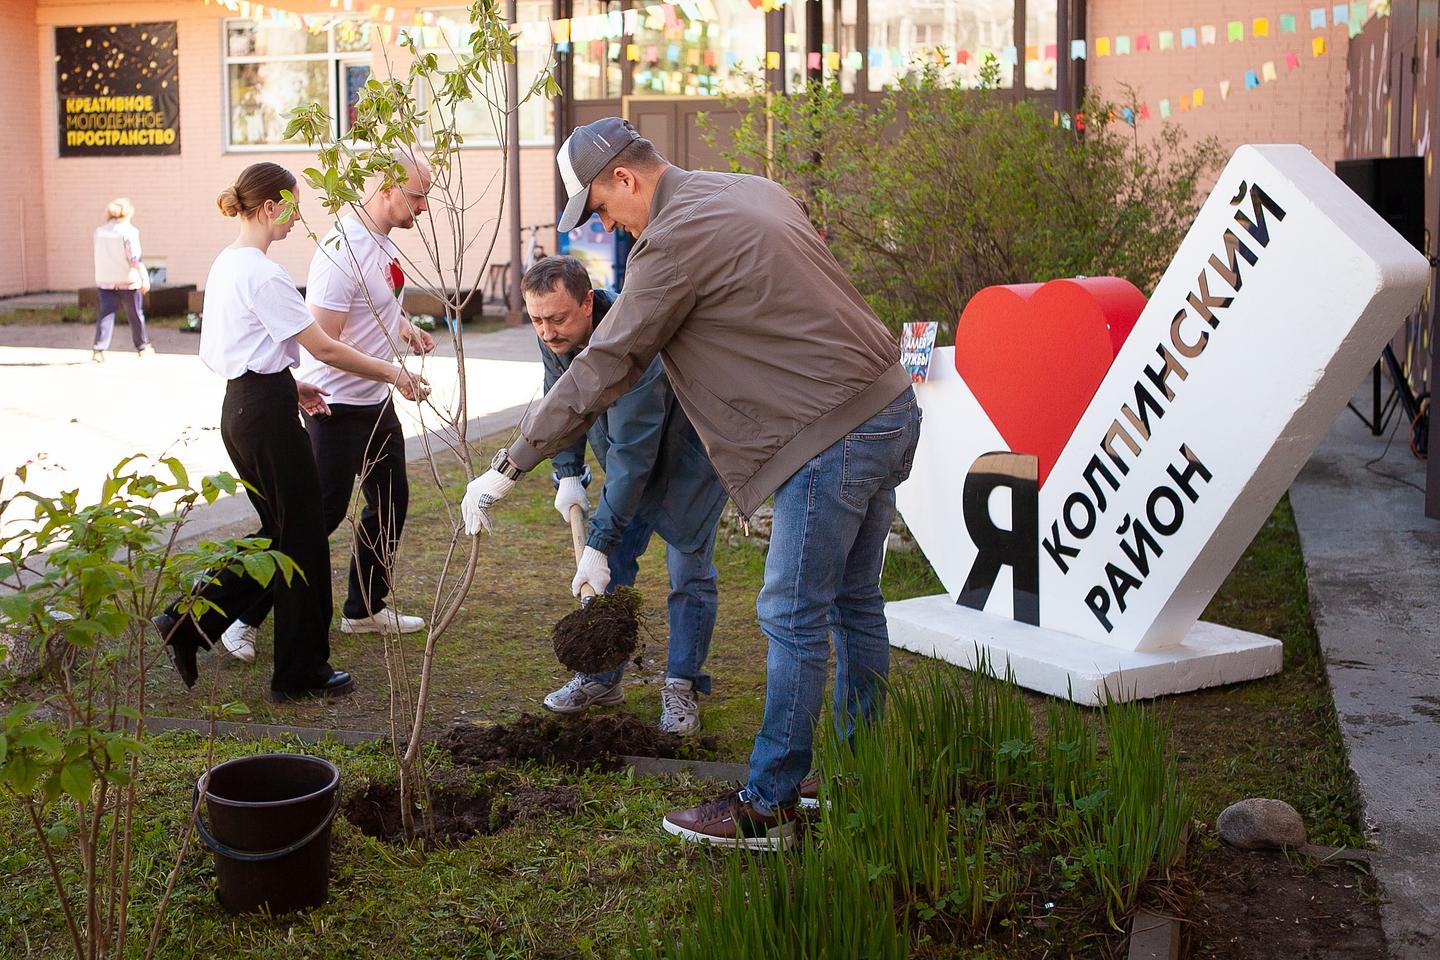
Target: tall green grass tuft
806, 906
950, 818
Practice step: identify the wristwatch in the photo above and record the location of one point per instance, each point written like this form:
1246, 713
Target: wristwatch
503, 465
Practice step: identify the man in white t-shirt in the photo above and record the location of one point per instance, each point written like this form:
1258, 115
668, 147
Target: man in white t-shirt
353, 291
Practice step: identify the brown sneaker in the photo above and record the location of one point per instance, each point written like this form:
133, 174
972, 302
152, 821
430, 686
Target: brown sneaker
810, 792
731, 821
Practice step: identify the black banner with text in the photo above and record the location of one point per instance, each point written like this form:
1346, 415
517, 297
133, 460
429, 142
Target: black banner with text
118, 89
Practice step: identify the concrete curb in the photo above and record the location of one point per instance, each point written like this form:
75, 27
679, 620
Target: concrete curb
1153, 936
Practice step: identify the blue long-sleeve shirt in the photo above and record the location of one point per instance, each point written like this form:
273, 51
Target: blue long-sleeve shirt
655, 466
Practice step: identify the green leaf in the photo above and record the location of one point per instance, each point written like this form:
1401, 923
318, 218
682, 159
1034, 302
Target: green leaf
57, 834
76, 778
177, 470
38, 740
260, 567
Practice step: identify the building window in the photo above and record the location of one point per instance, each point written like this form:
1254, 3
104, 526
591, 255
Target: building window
957, 34
478, 121
683, 57
596, 62
271, 69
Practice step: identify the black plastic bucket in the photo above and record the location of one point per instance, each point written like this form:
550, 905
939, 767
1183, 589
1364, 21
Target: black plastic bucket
269, 827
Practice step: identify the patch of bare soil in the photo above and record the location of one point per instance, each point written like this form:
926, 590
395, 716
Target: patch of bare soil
1253, 905
457, 810
579, 743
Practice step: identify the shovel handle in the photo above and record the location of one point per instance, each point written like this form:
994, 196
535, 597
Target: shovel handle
577, 536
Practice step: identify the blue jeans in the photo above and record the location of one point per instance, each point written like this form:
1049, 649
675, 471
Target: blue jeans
110, 301
822, 577
692, 604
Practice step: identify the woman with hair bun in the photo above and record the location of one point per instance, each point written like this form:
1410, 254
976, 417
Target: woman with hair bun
120, 278
254, 323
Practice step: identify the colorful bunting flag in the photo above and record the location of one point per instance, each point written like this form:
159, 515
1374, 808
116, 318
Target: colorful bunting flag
1198, 97
1292, 61
1102, 46
772, 59
1260, 27
1167, 40
1235, 30
1287, 23
1164, 109
1122, 46
1340, 13
1207, 34
1317, 18
1251, 80
812, 60
1142, 43
1318, 46
1267, 71
1077, 49
1144, 111
1187, 37
1224, 89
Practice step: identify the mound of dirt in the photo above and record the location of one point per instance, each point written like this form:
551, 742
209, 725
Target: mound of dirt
577, 742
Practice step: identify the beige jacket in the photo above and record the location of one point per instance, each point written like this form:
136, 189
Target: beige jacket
771, 352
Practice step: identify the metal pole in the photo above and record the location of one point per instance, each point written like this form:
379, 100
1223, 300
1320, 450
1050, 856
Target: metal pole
516, 312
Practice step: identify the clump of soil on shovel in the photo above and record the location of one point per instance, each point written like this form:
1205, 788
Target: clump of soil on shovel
578, 743
458, 810
601, 635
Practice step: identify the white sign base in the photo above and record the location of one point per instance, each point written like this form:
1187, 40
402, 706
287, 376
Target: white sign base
1067, 666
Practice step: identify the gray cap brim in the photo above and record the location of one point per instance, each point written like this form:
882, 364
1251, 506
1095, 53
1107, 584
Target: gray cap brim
575, 212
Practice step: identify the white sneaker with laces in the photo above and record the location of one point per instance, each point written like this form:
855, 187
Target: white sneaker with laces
239, 641
580, 695
679, 707
382, 621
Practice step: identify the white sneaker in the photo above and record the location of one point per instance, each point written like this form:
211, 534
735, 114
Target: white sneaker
580, 695
239, 641
679, 707
384, 621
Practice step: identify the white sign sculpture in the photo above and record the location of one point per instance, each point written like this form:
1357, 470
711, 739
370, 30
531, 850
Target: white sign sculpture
1091, 465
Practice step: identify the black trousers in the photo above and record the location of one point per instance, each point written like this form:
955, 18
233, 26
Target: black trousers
271, 452
363, 441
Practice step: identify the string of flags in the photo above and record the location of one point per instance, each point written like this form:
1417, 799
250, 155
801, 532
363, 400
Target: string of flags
1353, 16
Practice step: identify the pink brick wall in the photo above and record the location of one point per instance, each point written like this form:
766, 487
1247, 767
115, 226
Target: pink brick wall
1304, 105
174, 197
22, 202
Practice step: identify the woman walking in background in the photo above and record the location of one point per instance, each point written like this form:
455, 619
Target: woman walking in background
120, 277
255, 321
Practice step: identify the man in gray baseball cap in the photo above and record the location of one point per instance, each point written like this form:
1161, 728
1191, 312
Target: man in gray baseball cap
795, 390
582, 158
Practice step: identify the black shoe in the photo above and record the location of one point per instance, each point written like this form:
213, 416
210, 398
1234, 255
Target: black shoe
181, 655
338, 684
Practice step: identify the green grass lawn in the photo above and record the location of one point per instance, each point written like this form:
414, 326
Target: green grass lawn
572, 886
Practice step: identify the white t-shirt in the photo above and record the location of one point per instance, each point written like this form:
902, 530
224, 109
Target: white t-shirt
252, 312
117, 249
349, 254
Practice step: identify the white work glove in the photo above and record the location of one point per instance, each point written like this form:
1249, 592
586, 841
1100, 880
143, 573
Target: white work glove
594, 569
480, 495
571, 493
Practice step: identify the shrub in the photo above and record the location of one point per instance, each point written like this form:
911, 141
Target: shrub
940, 191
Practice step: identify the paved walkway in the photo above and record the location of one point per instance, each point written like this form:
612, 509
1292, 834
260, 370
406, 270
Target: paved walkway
1373, 561
74, 419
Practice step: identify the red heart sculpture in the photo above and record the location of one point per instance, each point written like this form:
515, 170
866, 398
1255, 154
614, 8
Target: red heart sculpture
1034, 355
